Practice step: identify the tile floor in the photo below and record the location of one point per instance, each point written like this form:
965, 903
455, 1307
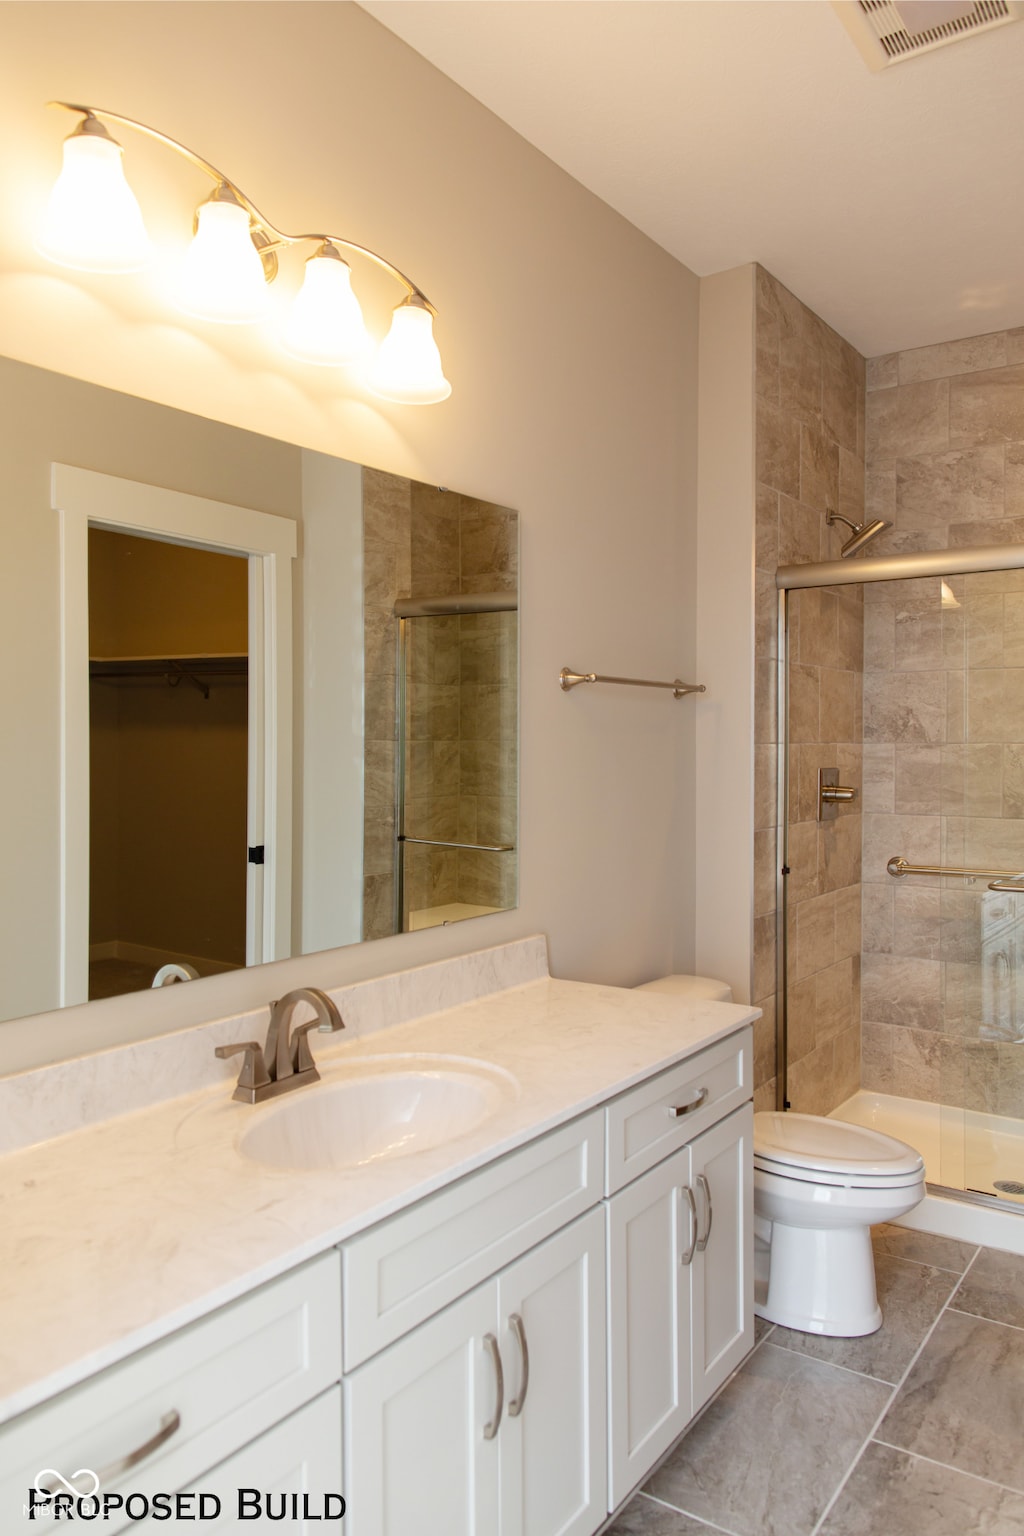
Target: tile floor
913, 1431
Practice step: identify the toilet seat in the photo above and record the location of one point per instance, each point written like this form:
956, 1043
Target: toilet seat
819, 1151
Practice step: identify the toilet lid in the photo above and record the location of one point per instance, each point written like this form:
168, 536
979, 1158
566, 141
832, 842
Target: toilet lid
830, 1146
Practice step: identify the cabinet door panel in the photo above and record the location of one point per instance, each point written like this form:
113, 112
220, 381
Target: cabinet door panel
415, 1455
553, 1457
723, 1300
649, 1293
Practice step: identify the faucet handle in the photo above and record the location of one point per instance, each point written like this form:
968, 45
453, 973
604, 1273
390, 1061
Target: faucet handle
254, 1069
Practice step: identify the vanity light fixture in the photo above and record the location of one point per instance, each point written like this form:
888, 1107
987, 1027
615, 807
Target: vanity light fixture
93, 223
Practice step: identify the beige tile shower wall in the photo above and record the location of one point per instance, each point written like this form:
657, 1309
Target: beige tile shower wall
387, 574
944, 726
461, 753
809, 452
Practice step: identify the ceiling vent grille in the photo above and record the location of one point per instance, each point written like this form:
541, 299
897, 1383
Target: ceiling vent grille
889, 31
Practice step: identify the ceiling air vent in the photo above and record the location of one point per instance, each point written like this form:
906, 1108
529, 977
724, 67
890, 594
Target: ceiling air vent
888, 31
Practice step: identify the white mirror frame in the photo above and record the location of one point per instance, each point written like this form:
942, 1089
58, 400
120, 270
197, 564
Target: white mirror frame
82, 498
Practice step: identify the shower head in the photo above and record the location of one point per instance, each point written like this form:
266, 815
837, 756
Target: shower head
861, 532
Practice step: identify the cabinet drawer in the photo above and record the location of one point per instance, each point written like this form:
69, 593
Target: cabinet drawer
228, 1378
406, 1269
641, 1126
300, 1456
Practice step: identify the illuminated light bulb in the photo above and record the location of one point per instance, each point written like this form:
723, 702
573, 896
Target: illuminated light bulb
223, 277
326, 323
408, 368
93, 222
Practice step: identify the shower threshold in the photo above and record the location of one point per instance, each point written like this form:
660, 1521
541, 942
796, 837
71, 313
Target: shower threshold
964, 1152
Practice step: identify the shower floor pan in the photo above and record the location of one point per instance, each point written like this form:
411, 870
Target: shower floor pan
965, 1152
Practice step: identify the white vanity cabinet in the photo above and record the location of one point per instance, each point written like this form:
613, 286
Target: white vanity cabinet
490, 1418
680, 1247
161, 1420
487, 1417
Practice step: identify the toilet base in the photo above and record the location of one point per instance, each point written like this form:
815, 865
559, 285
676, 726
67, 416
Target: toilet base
818, 1280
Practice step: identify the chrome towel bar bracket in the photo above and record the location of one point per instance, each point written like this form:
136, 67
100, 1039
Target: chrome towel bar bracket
567, 679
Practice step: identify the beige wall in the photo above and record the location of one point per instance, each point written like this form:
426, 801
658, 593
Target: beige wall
809, 457
571, 343
944, 722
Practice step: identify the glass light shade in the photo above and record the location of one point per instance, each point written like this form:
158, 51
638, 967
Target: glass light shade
326, 323
408, 368
93, 222
223, 277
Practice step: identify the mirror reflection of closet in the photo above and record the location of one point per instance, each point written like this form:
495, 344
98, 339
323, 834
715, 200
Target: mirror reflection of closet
168, 715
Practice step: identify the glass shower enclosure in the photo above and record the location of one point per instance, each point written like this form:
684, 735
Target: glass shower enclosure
933, 852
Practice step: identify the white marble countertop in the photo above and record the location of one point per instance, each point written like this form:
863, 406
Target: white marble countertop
113, 1235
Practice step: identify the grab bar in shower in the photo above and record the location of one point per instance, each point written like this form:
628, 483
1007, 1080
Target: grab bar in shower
436, 842
567, 679
898, 867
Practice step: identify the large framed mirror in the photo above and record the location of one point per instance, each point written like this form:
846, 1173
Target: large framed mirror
401, 651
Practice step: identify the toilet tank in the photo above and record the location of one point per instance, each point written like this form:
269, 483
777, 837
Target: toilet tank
693, 989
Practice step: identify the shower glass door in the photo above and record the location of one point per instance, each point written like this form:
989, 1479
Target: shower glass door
929, 854
981, 1063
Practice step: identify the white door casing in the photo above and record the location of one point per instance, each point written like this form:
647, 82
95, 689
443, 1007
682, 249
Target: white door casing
82, 498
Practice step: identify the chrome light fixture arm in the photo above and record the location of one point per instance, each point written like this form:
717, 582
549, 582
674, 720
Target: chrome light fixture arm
273, 236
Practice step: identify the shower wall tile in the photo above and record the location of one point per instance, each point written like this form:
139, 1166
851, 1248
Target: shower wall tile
946, 358
883, 372
764, 872
902, 706
965, 485
915, 838
918, 787
879, 774
819, 469
810, 429
839, 854
877, 918
848, 937
987, 407
911, 419
899, 989
777, 450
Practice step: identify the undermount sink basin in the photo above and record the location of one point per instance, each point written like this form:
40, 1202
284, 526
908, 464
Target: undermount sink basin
375, 1110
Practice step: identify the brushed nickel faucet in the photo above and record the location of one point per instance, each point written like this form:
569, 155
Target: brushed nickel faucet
286, 1061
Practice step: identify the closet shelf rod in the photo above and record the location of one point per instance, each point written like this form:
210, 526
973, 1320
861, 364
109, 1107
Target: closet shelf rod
567, 679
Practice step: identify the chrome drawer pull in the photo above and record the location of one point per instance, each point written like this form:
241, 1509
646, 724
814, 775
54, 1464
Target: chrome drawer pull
169, 1425
517, 1404
687, 1194
491, 1345
677, 1111
705, 1189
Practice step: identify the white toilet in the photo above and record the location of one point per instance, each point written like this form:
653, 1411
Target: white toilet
820, 1185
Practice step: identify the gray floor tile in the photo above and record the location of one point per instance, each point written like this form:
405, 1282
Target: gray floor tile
893, 1494
770, 1451
963, 1402
911, 1297
994, 1288
761, 1329
922, 1247
645, 1517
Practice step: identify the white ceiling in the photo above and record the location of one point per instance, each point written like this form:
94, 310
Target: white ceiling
752, 130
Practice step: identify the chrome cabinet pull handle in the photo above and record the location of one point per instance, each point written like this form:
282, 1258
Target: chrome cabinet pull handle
705, 1189
517, 1404
491, 1345
687, 1194
677, 1111
170, 1423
